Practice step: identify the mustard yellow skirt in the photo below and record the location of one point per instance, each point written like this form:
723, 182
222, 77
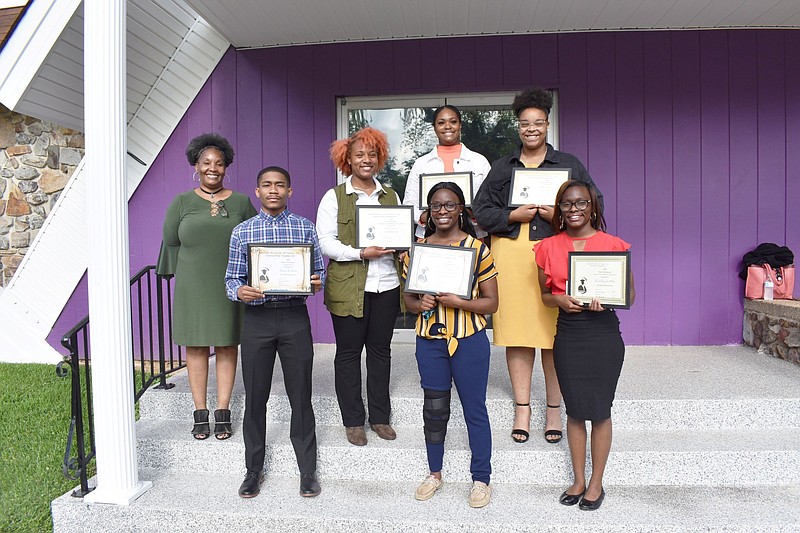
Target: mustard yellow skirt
521, 318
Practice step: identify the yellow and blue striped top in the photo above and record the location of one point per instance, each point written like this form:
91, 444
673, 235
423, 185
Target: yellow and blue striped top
450, 323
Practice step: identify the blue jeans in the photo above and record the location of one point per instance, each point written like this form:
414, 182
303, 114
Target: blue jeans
468, 368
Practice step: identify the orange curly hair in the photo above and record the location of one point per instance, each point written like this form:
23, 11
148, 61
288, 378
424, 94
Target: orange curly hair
373, 140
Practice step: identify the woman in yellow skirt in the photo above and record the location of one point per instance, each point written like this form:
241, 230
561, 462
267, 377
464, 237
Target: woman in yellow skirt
522, 323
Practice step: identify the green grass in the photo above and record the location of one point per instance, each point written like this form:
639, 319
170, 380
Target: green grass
35, 407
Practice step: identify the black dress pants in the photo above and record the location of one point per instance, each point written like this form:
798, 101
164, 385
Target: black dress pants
374, 330
287, 331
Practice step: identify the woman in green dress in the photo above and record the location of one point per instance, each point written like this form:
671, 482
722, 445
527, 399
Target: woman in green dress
196, 235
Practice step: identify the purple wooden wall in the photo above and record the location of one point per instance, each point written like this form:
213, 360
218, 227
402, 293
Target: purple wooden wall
693, 138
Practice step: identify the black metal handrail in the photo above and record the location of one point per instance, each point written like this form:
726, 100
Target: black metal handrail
154, 358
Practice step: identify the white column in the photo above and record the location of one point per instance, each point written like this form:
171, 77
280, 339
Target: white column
109, 270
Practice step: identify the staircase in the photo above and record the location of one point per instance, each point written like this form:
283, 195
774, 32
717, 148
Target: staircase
706, 438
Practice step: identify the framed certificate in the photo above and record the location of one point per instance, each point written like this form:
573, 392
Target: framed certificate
462, 179
536, 185
435, 268
602, 275
388, 226
280, 269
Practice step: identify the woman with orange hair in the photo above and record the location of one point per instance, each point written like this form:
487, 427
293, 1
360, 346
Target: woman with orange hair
362, 291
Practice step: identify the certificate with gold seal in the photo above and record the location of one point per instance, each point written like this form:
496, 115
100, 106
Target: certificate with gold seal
602, 275
280, 269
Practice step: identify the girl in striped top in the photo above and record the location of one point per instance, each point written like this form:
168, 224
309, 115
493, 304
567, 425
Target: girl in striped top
452, 346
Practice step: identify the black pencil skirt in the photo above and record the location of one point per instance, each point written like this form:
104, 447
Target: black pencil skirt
588, 354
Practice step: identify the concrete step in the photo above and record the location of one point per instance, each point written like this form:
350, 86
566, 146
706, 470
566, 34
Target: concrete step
705, 413
706, 438
709, 387
638, 457
190, 502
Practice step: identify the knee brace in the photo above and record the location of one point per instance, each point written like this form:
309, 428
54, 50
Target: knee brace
435, 414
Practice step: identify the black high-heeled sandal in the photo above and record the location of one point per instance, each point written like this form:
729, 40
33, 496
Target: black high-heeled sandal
201, 429
222, 424
553, 432
520, 432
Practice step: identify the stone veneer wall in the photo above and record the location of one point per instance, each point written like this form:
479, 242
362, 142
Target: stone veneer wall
773, 327
36, 161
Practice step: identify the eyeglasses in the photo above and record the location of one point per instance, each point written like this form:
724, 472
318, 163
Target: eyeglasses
449, 206
580, 205
218, 208
537, 124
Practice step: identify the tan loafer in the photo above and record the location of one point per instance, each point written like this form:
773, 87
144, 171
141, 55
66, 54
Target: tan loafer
384, 431
480, 495
428, 488
356, 435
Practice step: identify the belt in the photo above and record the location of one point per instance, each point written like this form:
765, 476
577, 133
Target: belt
279, 304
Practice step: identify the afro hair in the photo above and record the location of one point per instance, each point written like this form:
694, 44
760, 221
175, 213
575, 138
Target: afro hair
209, 140
373, 140
532, 97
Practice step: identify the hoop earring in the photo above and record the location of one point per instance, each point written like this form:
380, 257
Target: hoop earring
594, 218
196, 177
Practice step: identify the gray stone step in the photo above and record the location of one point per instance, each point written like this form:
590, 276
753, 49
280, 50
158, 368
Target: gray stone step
705, 413
657, 457
190, 502
706, 438
709, 387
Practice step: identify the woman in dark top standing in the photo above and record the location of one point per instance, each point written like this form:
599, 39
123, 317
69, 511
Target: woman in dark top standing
522, 323
196, 235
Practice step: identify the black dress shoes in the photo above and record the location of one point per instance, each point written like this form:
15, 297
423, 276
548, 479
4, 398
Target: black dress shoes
570, 499
309, 486
251, 485
592, 505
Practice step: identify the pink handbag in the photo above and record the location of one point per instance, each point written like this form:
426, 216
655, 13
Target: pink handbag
782, 278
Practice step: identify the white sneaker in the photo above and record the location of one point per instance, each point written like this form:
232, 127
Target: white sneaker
428, 488
480, 494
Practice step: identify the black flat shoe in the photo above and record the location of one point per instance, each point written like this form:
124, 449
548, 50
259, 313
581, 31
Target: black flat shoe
570, 499
309, 486
592, 505
251, 485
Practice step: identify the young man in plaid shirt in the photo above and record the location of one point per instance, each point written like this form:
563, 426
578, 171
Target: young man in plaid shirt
273, 324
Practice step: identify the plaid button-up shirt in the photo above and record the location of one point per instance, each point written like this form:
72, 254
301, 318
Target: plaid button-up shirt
286, 228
